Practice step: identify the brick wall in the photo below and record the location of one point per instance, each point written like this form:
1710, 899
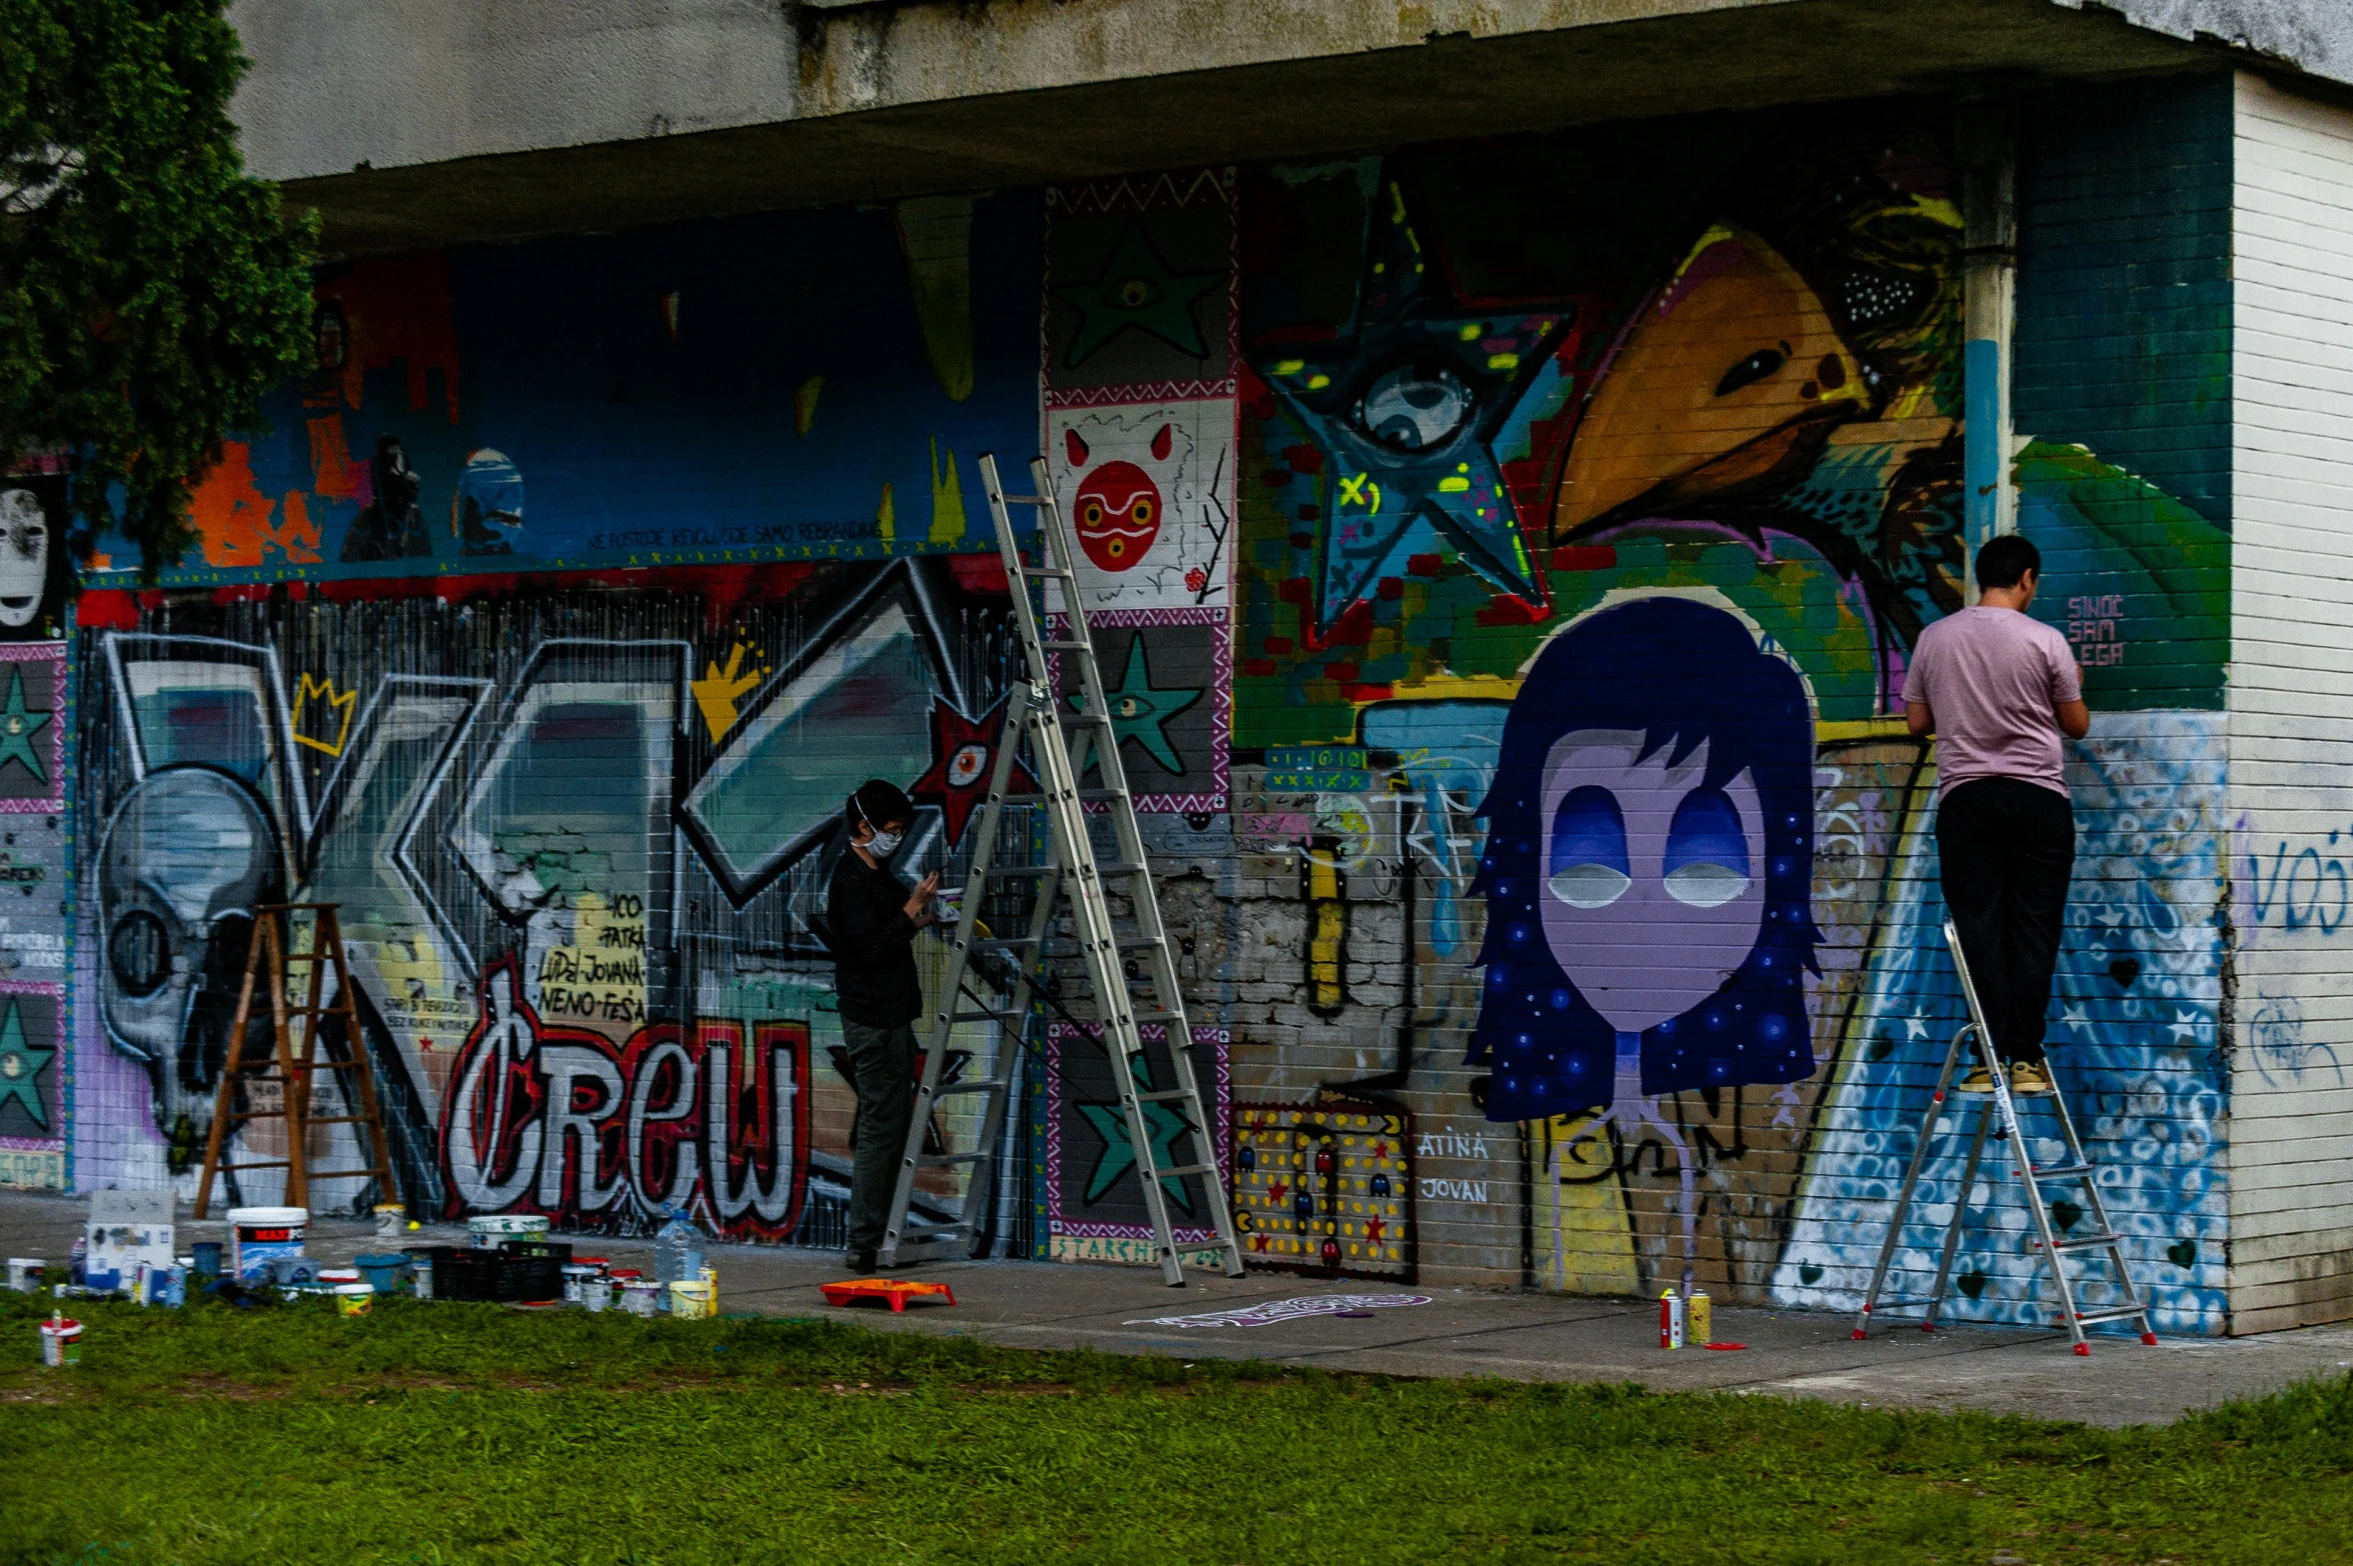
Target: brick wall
2291, 707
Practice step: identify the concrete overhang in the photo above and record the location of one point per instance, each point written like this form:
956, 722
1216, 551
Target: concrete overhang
417, 122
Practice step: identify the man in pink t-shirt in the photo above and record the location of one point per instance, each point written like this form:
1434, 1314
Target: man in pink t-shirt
1999, 690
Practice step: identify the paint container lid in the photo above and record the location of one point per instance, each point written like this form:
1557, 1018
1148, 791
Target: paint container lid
578, 1270
355, 1288
269, 1217
65, 1327
381, 1259
626, 1274
509, 1223
339, 1275
647, 1284
598, 1262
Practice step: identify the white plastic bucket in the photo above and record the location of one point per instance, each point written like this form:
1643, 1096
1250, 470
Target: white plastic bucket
691, 1301
354, 1299
641, 1297
259, 1235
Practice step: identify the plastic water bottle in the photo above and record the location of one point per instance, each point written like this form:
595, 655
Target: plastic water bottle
678, 1255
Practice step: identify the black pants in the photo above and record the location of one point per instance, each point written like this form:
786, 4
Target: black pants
2005, 850
883, 1060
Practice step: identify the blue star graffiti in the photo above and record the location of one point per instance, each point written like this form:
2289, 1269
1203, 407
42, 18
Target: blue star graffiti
1409, 402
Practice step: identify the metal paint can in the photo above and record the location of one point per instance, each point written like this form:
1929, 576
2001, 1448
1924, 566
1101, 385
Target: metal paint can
1670, 1320
1700, 1320
61, 1343
258, 1236
421, 1276
578, 1279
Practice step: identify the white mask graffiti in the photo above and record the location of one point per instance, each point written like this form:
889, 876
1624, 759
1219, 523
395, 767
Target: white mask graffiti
24, 557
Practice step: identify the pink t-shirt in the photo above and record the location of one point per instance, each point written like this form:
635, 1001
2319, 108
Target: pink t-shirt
1992, 676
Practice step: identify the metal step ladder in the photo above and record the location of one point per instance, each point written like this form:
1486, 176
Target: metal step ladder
1132, 973
2054, 1250
274, 960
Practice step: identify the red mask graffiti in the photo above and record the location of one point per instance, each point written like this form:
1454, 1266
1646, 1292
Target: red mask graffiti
1117, 506
549, 1119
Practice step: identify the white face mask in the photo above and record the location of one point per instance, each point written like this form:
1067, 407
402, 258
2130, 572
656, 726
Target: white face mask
884, 844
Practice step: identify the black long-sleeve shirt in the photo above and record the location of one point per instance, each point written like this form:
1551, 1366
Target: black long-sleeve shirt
873, 945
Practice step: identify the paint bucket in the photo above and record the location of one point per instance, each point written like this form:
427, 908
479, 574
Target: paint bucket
24, 1273
596, 1293
354, 1299
578, 1277
640, 1297
160, 1285
384, 1272
421, 1276
487, 1234
391, 1220
61, 1343
690, 1301
260, 1235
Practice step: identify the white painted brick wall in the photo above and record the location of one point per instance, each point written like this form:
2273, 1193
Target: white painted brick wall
2291, 710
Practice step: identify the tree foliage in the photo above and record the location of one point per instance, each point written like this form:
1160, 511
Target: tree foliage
150, 291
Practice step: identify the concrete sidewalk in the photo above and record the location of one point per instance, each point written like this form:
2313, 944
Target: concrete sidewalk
1459, 1332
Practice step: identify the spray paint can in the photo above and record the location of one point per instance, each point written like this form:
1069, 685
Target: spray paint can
1670, 1320
1700, 1320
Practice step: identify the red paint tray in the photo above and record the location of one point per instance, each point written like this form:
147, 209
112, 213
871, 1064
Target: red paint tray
896, 1290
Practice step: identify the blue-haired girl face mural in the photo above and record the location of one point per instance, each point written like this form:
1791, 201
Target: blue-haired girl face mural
1649, 866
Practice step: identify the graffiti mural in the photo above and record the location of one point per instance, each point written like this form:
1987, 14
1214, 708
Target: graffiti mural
579, 840
663, 398
1594, 490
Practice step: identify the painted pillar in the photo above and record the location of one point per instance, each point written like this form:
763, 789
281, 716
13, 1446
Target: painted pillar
1989, 177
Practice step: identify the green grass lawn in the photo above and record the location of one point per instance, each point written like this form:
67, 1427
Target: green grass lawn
444, 1433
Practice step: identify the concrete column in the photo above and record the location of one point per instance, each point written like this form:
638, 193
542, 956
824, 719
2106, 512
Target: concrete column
1987, 139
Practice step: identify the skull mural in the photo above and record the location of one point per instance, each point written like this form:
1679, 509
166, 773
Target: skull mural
187, 857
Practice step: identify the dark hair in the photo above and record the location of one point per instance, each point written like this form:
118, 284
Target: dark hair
1679, 673
877, 804
2005, 560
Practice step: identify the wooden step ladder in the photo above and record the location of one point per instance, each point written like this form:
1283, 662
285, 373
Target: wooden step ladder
273, 960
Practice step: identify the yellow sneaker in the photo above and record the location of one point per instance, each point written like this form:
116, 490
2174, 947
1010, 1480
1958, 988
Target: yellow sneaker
1978, 1081
2029, 1077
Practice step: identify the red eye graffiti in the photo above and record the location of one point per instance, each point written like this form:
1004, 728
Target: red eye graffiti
1117, 506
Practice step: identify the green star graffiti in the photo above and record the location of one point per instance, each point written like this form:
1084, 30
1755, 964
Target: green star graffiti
1119, 1155
1137, 289
18, 726
1140, 709
21, 1066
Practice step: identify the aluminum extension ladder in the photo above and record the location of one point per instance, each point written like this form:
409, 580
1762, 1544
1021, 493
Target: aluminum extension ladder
1061, 744
2078, 1167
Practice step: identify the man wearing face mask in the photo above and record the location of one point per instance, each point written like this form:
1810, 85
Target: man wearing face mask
2000, 691
871, 919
